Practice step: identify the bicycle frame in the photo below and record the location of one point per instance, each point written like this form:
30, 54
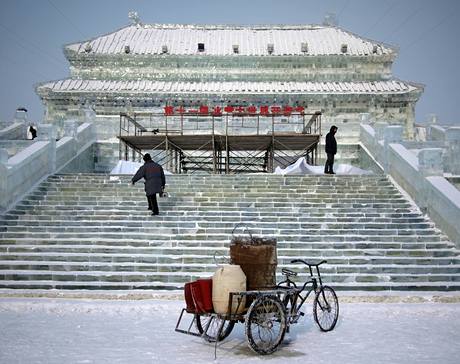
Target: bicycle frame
296, 294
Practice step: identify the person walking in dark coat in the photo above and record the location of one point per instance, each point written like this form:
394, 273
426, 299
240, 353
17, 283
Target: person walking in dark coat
154, 181
331, 150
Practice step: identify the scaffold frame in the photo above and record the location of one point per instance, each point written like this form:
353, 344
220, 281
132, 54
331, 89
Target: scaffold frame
219, 150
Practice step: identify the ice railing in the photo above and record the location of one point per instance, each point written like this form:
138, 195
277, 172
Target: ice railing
23, 171
420, 174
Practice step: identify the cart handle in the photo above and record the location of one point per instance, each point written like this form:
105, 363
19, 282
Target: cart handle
217, 256
245, 228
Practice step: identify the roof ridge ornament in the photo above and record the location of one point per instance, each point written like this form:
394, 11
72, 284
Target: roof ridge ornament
330, 20
136, 20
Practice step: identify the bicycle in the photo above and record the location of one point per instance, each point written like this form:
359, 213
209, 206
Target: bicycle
325, 304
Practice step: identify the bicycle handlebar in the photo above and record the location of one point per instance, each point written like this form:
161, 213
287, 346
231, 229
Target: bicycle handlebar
306, 263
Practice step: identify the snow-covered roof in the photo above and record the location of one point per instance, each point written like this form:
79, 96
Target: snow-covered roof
173, 39
150, 86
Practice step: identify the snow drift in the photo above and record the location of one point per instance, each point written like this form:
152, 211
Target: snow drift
301, 167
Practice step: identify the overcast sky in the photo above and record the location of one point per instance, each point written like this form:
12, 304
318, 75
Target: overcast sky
33, 32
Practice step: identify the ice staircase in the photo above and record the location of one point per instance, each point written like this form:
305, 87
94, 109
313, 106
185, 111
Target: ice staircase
93, 232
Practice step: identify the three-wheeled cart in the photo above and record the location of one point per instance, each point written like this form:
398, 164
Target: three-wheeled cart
266, 314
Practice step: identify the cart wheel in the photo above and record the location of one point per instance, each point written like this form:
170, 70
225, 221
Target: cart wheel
211, 334
326, 308
265, 324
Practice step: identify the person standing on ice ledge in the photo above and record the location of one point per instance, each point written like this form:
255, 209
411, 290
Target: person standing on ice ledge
331, 150
154, 181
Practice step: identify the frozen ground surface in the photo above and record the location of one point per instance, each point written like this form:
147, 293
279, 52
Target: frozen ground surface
101, 331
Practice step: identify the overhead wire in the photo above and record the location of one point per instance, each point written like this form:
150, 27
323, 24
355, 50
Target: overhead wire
430, 30
400, 25
20, 43
36, 73
343, 8
66, 18
396, 2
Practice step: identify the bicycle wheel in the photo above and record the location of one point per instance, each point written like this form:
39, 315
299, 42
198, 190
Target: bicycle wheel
211, 334
265, 325
326, 308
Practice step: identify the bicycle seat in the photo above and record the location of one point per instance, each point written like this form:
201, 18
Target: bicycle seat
288, 272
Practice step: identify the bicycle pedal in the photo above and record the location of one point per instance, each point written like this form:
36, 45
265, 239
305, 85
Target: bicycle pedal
302, 313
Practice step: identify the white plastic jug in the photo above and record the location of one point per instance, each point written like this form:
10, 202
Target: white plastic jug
226, 279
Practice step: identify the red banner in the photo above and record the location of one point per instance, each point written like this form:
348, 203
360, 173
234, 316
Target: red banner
285, 110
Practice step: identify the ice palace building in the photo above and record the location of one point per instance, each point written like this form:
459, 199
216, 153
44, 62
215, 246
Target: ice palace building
143, 68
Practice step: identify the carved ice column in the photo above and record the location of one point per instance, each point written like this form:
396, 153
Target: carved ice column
70, 128
366, 118
89, 115
47, 132
3, 178
410, 121
391, 134
21, 117
453, 150
430, 161
379, 127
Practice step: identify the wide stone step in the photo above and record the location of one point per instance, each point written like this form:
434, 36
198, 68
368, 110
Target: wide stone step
44, 220
157, 250
211, 267
225, 195
194, 234
235, 186
216, 191
282, 202
310, 211
210, 188
317, 236
233, 202
179, 278
216, 226
194, 211
97, 189
298, 221
179, 243
207, 259
304, 213
81, 285
183, 277
249, 178
130, 286
221, 192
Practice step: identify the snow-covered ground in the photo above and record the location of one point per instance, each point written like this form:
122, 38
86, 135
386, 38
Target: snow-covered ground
102, 331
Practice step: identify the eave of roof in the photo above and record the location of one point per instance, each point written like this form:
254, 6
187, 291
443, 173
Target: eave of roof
78, 86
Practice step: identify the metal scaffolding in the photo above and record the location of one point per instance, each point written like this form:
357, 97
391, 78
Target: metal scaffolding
257, 147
